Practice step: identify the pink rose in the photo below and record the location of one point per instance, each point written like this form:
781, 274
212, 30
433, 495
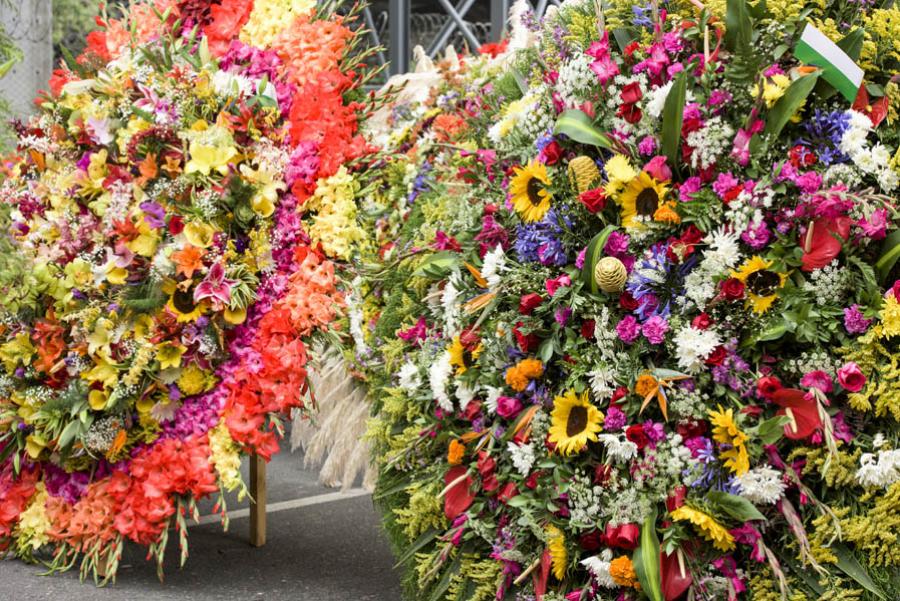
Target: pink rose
851, 377
657, 169
556, 283
508, 407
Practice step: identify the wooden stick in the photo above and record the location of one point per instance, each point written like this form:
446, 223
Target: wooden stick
258, 501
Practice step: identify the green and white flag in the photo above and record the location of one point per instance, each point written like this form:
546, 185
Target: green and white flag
838, 69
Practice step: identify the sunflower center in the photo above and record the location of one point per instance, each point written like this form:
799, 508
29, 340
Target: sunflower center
577, 422
467, 357
647, 202
533, 189
183, 300
763, 282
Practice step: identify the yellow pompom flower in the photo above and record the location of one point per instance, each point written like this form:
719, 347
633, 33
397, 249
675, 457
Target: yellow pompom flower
574, 421
518, 376
712, 530
193, 380
619, 173
226, 458
725, 431
556, 544
528, 188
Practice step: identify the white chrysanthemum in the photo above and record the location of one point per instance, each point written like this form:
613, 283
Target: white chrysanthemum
438, 375
762, 485
450, 306
693, 346
619, 449
410, 381
724, 251
880, 472
494, 264
603, 382
522, 457
657, 99
598, 566
231, 85
490, 401
464, 394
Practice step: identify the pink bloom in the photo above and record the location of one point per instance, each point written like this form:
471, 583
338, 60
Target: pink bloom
854, 320
875, 225
605, 69
556, 283
508, 407
851, 377
658, 169
655, 329
628, 329
817, 379
215, 286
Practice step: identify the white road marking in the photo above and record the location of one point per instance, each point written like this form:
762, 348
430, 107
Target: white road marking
330, 497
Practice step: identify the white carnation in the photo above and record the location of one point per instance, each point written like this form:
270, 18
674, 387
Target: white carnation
522, 457
619, 449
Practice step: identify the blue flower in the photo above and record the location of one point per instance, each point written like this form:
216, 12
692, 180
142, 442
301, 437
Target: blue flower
824, 132
656, 282
539, 242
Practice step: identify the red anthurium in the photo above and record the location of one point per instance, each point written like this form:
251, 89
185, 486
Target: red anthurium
875, 111
676, 577
803, 410
460, 496
823, 241
542, 575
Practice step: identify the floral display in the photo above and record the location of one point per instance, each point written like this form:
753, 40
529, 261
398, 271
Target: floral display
631, 328
175, 209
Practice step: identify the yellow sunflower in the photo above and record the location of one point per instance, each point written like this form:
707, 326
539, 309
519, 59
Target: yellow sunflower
643, 200
575, 421
556, 543
726, 431
762, 283
461, 357
710, 528
181, 302
528, 188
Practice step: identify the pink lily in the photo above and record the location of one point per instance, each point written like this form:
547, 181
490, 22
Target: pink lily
215, 286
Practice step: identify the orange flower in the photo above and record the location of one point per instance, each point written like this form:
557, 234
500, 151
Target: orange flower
518, 376
148, 169
456, 452
188, 260
621, 570
646, 384
666, 213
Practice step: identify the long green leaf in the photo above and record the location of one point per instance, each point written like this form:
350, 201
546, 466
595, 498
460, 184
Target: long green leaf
738, 27
890, 252
646, 560
673, 116
737, 507
578, 126
849, 565
852, 43
788, 105
593, 254
423, 540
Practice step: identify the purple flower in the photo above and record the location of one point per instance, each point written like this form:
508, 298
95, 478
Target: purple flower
757, 235
615, 419
628, 329
540, 242
654, 431
655, 328
154, 214
854, 320
562, 315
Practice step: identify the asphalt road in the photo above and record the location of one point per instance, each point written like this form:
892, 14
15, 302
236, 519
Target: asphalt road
321, 547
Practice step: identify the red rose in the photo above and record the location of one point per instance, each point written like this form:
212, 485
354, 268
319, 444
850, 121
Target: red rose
630, 112
490, 484
717, 357
623, 536
594, 200
473, 410
768, 386
587, 329
702, 321
631, 93
531, 481
591, 541
732, 289
691, 428
636, 435
529, 302
551, 153
628, 302
486, 464
176, 225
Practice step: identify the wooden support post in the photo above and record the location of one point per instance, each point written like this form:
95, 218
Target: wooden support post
258, 504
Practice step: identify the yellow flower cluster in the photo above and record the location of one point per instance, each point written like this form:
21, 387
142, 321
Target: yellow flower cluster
31, 530
477, 579
425, 510
334, 225
726, 432
876, 532
271, 17
226, 458
880, 365
556, 543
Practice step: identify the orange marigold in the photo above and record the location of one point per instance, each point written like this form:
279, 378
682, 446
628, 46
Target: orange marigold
518, 376
456, 452
646, 384
621, 570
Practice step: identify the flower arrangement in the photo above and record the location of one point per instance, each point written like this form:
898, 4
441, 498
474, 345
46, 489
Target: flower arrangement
170, 261
631, 328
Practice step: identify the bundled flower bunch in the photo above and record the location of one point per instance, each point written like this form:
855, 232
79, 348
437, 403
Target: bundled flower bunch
173, 210
636, 336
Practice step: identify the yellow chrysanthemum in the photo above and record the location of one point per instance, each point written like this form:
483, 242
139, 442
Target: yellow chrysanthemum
530, 195
575, 421
710, 528
726, 432
461, 357
642, 200
890, 316
193, 380
762, 283
773, 88
556, 544
618, 173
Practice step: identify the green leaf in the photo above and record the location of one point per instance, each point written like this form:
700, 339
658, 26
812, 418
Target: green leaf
68, 434
673, 115
890, 252
593, 254
737, 507
646, 560
520, 80
5, 67
771, 430
423, 540
852, 43
788, 105
849, 565
773, 332
578, 126
738, 27
437, 265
